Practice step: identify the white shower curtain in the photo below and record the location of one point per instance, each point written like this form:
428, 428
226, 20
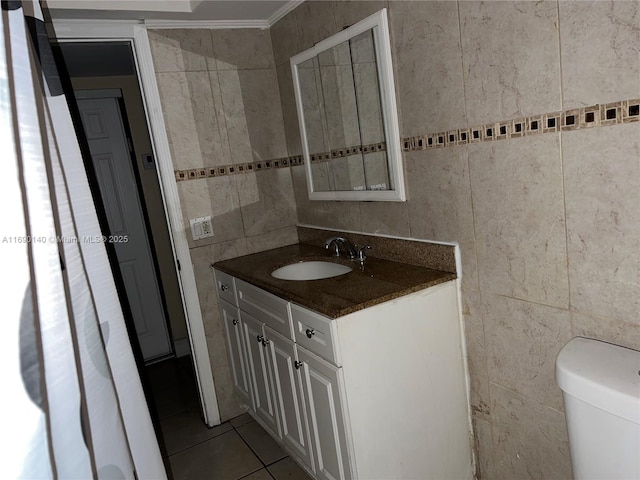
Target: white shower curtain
72, 404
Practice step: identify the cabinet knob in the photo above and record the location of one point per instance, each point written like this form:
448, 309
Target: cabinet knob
297, 365
260, 338
265, 343
310, 332
224, 287
235, 321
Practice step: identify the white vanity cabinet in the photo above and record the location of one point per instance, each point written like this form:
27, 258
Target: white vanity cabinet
376, 394
266, 357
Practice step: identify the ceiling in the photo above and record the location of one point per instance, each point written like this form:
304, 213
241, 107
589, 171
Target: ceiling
225, 12
98, 59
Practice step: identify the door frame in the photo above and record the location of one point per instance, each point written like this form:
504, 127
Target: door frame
136, 34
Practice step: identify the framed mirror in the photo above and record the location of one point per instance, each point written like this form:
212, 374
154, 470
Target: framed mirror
346, 103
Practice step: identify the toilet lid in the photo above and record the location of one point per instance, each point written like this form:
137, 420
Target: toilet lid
601, 374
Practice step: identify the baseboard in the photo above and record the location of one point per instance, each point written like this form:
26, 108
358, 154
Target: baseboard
182, 347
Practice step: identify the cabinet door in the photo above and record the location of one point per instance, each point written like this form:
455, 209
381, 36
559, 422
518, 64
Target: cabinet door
322, 384
260, 372
287, 383
237, 352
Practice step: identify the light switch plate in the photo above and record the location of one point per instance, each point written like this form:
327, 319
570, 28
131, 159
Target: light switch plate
201, 227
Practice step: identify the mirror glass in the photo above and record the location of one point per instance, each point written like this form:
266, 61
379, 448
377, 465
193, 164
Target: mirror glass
348, 121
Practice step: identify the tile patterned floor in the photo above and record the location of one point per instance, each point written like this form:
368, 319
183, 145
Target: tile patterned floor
237, 449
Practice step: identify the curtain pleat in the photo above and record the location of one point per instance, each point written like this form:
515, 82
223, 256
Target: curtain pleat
64, 341
22, 413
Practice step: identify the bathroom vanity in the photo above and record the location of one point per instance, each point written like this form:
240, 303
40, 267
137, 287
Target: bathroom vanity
359, 376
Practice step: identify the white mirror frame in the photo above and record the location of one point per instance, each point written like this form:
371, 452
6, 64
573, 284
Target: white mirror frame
389, 110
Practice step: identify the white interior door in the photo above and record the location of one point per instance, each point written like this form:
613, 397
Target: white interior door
112, 163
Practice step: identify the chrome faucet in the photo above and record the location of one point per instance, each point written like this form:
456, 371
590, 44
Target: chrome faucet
336, 243
362, 256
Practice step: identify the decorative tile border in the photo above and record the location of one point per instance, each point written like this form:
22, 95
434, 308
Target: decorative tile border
235, 169
625, 111
347, 151
238, 168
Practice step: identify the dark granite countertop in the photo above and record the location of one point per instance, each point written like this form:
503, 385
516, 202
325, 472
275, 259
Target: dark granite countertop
377, 282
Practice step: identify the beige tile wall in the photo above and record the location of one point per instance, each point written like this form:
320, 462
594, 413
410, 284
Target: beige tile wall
221, 105
548, 225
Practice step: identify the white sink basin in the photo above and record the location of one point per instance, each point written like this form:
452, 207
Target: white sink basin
315, 270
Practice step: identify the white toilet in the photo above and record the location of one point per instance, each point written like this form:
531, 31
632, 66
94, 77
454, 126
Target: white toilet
601, 389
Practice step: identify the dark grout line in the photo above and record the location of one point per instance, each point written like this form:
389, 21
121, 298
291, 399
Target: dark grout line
254, 452
270, 474
203, 441
263, 468
246, 423
249, 446
276, 461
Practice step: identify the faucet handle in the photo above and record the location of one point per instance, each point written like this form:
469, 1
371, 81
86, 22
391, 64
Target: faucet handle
333, 242
362, 252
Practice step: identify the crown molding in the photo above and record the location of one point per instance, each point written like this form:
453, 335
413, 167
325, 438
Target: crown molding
175, 6
80, 29
209, 24
282, 11
222, 24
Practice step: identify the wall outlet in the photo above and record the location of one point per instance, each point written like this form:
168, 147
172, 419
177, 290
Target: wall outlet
201, 227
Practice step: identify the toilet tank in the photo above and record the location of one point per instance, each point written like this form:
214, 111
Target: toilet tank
601, 390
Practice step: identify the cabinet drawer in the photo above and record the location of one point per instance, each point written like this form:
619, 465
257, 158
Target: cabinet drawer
225, 287
315, 332
265, 307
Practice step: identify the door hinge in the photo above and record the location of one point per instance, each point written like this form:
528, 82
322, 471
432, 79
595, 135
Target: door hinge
130, 144
179, 267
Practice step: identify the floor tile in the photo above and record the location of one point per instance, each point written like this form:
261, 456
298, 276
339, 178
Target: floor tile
259, 475
173, 386
261, 442
287, 469
241, 420
170, 374
176, 400
225, 457
187, 429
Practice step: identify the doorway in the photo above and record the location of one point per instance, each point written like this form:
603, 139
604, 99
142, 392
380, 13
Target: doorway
109, 144
135, 36
111, 111
105, 85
